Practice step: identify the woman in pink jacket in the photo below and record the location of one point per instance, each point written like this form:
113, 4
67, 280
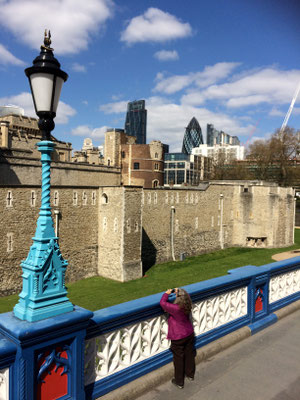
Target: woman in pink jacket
181, 334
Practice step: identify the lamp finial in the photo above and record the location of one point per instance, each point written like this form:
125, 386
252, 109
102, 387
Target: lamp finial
47, 40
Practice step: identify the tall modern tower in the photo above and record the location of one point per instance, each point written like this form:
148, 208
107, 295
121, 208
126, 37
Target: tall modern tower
192, 137
212, 135
136, 121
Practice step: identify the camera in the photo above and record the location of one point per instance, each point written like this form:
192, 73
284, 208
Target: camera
173, 291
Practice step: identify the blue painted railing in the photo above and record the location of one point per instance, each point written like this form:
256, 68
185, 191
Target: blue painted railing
113, 346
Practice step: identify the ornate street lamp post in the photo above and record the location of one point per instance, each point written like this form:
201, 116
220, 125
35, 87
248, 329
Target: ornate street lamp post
44, 293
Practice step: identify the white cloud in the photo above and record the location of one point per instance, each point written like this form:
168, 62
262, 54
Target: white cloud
64, 112
173, 84
210, 75
78, 67
247, 100
276, 113
116, 97
268, 85
87, 131
7, 57
296, 111
166, 55
72, 22
155, 26
113, 108
24, 100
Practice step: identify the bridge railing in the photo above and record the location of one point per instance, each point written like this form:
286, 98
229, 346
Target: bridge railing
129, 340
83, 355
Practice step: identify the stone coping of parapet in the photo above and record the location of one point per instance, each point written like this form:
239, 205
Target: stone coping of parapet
148, 382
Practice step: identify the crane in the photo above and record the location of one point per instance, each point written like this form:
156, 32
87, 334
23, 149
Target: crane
290, 109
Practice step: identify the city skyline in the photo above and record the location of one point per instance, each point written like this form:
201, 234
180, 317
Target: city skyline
229, 63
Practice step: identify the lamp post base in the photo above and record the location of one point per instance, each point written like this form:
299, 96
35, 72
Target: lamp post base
44, 311
44, 293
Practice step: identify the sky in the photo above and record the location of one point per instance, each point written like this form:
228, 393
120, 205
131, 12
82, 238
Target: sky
232, 63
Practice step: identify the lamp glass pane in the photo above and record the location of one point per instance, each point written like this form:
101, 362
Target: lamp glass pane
59, 83
42, 86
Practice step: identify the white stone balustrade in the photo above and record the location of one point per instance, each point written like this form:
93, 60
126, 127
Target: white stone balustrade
219, 310
284, 285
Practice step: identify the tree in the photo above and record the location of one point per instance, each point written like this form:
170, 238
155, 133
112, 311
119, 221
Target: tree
276, 159
229, 168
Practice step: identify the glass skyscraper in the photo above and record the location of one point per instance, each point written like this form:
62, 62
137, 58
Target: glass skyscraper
136, 121
192, 137
213, 137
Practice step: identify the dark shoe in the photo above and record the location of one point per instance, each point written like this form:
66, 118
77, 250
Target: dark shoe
190, 378
174, 383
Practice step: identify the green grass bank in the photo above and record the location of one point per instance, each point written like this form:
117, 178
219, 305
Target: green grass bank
95, 293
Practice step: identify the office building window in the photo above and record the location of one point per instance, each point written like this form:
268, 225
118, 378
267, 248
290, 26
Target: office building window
180, 177
136, 165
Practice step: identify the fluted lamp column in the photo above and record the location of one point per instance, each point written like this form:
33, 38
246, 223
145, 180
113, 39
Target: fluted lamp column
44, 293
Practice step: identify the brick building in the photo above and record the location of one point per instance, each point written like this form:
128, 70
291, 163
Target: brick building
141, 164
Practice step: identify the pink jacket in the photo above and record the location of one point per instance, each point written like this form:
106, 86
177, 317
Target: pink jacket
179, 324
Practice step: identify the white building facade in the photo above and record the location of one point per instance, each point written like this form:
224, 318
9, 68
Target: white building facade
227, 152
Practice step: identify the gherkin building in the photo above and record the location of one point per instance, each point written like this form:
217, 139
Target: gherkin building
192, 137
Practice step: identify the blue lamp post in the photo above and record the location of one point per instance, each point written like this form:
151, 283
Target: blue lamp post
44, 293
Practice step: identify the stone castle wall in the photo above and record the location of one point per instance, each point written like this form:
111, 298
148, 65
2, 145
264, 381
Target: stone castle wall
78, 233
223, 215
119, 232
196, 223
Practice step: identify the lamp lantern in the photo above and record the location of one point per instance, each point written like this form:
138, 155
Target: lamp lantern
46, 80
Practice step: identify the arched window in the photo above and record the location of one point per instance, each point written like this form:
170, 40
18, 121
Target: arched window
155, 183
104, 199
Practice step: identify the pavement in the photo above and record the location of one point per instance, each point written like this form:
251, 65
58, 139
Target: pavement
265, 366
285, 255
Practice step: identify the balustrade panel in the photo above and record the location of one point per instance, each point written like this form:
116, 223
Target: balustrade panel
284, 285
